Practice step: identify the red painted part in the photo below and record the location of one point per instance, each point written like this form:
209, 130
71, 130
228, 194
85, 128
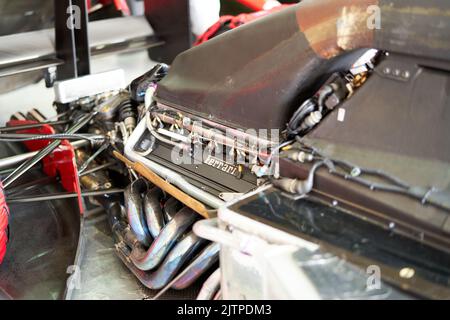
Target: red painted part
214, 29
60, 162
231, 22
35, 144
4, 215
256, 5
121, 5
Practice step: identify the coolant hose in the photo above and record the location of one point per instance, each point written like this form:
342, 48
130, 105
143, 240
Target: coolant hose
210, 287
153, 212
301, 187
151, 258
209, 229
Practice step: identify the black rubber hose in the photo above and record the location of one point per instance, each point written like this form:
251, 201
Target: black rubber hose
297, 118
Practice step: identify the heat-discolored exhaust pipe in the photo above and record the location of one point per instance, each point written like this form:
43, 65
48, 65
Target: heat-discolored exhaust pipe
178, 256
171, 207
135, 212
206, 259
149, 259
153, 211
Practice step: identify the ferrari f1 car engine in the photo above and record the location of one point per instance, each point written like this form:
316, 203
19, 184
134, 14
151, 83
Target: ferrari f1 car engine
314, 161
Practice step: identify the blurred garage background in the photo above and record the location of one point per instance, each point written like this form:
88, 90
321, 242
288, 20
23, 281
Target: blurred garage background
119, 37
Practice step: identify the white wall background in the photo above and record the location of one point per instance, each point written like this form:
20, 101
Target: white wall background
38, 96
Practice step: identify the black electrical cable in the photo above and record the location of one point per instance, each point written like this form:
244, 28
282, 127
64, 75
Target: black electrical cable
425, 195
326, 92
349, 165
293, 127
